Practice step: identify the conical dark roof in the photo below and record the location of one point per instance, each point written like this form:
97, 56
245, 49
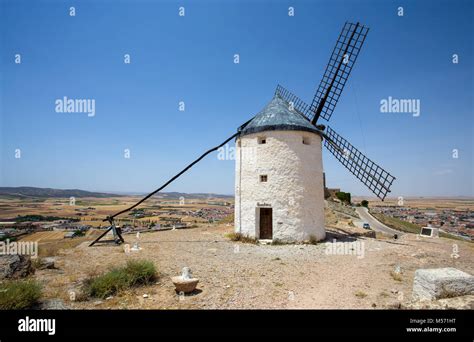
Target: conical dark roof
276, 116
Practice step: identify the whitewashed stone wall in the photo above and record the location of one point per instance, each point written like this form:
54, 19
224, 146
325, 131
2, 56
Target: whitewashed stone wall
294, 189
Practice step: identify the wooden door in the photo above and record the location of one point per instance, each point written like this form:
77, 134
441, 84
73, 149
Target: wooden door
266, 229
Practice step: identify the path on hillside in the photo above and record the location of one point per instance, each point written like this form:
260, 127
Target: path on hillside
376, 225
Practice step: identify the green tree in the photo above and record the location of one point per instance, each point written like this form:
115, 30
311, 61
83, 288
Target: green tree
344, 196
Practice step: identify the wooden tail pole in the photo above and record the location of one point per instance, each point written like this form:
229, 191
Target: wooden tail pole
118, 239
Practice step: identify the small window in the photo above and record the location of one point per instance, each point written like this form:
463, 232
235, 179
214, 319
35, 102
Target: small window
263, 178
262, 140
306, 141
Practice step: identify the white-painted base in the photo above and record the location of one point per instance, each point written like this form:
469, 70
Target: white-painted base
293, 190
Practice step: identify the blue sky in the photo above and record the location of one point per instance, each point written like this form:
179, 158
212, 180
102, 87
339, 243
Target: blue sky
191, 59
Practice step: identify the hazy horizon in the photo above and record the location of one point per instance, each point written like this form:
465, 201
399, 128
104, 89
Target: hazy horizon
137, 193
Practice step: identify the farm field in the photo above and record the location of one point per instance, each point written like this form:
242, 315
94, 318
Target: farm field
92, 211
48, 236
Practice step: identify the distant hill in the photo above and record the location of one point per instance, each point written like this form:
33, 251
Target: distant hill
27, 191
32, 192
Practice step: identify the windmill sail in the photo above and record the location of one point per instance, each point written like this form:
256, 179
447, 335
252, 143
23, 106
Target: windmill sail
373, 176
338, 69
294, 101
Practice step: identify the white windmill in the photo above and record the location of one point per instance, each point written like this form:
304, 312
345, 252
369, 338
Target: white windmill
279, 186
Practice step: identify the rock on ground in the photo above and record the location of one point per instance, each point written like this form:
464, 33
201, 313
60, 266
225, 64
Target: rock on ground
437, 283
15, 266
52, 304
45, 263
456, 303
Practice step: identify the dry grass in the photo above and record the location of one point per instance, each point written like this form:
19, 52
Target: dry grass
134, 273
313, 240
396, 276
19, 294
52, 248
241, 238
44, 236
360, 294
227, 219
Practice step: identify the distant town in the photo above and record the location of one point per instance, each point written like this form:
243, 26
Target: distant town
454, 221
79, 218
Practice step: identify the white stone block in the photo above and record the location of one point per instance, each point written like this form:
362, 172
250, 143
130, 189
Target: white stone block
436, 283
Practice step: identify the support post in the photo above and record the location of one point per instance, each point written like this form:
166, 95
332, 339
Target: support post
118, 239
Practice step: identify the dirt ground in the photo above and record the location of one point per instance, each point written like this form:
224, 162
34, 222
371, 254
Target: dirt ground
235, 275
